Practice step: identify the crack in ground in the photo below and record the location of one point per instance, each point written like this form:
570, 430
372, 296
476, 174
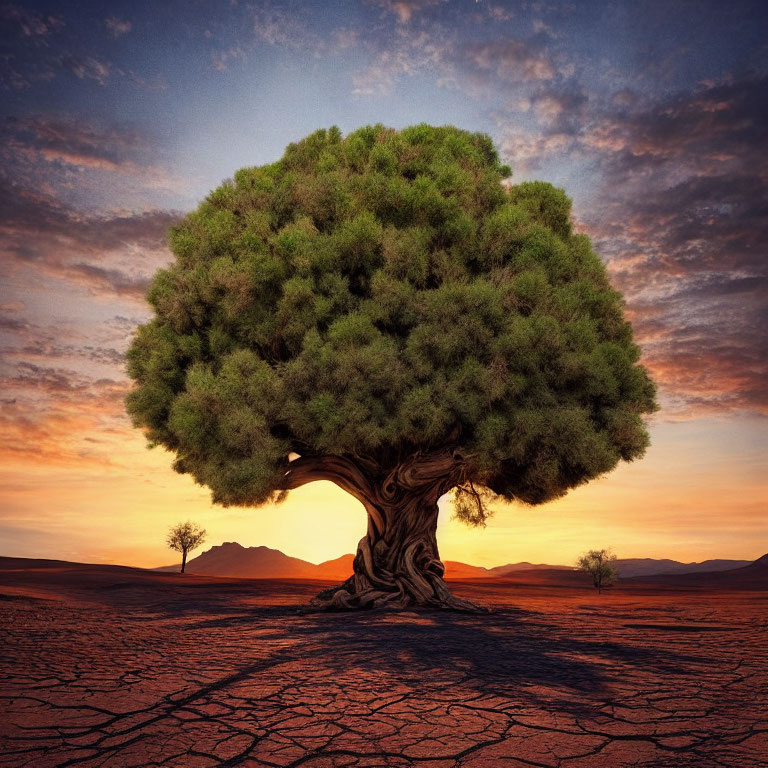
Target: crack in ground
223, 682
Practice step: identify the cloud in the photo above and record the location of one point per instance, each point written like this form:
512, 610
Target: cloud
115, 279
29, 24
701, 157
282, 29
47, 349
57, 131
526, 151
34, 54
561, 108
498, 12
682, 216
45, 378
338, 41
12, 323
25, 35
59, 139
63, 387
86, 68
49, 421
117, 26
404, 10
410, 52
557, 113
44, 234
56, 396
222, 59
706, 128
511, 60
58, 154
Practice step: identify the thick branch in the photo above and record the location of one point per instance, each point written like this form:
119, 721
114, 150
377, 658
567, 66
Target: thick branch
343, 472
443, 469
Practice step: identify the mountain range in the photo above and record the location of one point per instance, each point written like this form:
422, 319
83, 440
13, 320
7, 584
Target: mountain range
233, 559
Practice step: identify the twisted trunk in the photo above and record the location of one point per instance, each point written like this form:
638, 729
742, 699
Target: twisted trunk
397, 563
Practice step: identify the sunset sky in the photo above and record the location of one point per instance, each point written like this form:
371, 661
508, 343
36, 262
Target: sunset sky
117, 118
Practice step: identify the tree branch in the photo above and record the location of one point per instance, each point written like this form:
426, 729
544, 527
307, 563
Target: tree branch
337, 469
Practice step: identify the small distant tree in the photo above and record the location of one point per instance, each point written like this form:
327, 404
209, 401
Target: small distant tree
601, 565
185, 537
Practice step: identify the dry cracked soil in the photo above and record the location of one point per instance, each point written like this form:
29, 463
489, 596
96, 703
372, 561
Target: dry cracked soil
117, 667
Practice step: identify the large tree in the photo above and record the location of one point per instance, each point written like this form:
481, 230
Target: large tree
381, 311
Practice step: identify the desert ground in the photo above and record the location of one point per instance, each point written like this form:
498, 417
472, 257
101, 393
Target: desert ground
118, 667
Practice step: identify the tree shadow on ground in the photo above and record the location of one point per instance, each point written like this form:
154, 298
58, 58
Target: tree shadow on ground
516, 654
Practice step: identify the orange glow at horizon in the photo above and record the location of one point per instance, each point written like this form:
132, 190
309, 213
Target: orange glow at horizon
700, 493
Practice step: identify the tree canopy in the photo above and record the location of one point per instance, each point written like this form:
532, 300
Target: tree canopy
380, 294
184, 537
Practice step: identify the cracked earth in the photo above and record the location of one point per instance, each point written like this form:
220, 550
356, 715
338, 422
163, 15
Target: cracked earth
118, 668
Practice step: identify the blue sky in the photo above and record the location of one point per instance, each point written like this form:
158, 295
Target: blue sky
117, 118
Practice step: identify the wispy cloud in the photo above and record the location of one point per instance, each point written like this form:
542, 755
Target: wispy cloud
221, 60
683, 218
117, 26
30, 24
51, 416
511, 60
44, 234
58, 154
404, 10
281, 28
23, 30
498, 13
424, 47
411, 52
69, 141
87, 68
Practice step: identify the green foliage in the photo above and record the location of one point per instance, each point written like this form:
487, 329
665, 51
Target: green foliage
471, 504
381, 293
185, 537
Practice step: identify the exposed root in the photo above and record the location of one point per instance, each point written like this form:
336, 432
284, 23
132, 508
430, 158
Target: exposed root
344, 598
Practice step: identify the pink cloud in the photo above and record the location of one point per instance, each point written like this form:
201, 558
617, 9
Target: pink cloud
404, 10
117, 26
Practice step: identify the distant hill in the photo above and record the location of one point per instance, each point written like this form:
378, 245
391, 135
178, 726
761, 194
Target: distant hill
647, 566
751, 576
337, 569
233, 559
456, 570
505, 570
37, 576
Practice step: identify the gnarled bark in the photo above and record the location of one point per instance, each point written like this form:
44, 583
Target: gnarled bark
397, 563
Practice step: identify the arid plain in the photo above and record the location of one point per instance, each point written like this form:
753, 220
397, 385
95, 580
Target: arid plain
115, 667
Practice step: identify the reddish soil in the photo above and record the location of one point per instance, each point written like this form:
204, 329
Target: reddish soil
117, 667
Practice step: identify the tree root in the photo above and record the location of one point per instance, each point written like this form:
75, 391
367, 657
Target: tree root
340, 598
